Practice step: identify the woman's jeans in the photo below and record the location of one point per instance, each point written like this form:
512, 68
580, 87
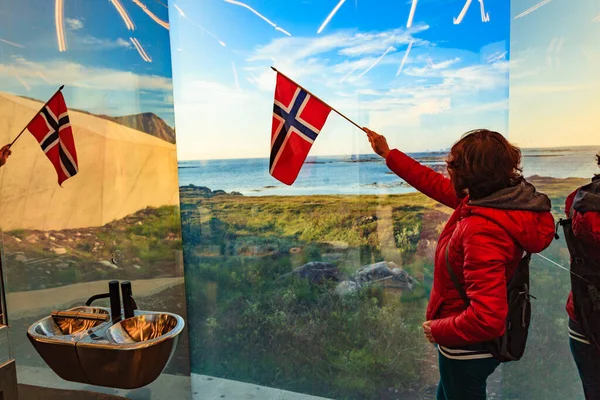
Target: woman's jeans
464, 379
587, 359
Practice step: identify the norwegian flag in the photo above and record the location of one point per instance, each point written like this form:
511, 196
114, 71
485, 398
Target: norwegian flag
52, 130
298, 117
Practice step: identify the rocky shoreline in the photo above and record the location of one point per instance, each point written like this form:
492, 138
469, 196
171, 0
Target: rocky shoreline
204, 192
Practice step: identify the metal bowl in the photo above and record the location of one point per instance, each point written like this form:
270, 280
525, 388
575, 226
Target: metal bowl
145, 328
128, 354
131, 353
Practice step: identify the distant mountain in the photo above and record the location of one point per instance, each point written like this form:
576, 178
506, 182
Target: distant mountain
149, 123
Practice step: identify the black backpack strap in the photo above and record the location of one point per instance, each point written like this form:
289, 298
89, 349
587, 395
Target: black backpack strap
454, 278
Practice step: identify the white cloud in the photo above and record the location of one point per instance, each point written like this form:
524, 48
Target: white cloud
74, 24
123, 43
369, 92
445, 64
339, 58
317, 59
101, 91
93, 43
82, 76
407, 113
375, 43
344, 43
469, 78
497, 56
442, 92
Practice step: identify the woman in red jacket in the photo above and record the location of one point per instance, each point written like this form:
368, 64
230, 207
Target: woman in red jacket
497, 216
583, 208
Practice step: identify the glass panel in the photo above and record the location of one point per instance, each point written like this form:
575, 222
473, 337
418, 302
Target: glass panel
553, 113
261, 313
118, 218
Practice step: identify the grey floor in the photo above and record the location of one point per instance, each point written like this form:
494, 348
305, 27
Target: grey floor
27, 392
167, 387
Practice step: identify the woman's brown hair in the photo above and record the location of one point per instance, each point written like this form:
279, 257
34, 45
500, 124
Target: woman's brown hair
483, 162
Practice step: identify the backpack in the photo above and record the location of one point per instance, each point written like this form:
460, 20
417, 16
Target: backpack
585, 268
511, 345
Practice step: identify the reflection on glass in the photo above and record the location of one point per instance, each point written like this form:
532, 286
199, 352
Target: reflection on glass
312, 288
118, 217
320, 287
553, 109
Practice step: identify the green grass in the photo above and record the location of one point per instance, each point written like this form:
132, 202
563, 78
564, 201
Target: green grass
256, 327
250, 325
149, 239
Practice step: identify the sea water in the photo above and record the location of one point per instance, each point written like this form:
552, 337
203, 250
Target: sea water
361, 174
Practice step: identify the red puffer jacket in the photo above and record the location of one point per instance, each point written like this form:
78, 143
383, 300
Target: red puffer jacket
486, 238
586, 226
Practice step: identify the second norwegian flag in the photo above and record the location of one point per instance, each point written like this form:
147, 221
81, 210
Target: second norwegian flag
52, 129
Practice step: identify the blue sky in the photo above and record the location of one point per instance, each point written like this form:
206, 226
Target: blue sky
101, 67
455, 77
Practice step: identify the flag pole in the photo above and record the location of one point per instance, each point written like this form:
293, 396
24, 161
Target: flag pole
332, 109
36, 114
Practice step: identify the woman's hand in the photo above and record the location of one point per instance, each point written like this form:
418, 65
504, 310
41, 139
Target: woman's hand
427, 331
378, 143
5, 152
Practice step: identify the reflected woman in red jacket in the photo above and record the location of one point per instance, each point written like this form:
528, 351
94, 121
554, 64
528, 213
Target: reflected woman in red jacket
497, 216
583, 208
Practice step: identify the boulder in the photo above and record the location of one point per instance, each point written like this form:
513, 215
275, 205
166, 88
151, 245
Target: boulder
318, 272
383, 271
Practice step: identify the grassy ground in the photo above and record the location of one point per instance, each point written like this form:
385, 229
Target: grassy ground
248, 324
148, 241
288, 334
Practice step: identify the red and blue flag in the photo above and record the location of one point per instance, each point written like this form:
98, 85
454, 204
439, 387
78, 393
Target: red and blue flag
52, 129
298, 117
